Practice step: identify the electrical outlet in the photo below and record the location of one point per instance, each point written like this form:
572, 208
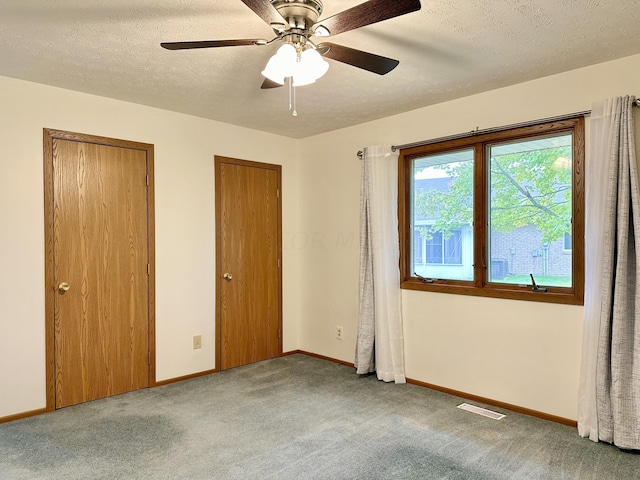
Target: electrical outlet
339, 333
197, 341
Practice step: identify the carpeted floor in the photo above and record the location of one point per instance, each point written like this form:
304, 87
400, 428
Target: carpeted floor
297, 417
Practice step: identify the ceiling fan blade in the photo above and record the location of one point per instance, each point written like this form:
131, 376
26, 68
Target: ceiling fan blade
210, 44
358, 58
269, 84
367, 13
265, 10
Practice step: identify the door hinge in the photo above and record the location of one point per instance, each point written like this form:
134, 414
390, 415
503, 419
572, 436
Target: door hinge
277, 193
148, 269
149, 358
279, 334
147, 180
278, 263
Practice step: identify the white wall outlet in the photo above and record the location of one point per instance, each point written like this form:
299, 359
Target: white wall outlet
197, 341
339, 333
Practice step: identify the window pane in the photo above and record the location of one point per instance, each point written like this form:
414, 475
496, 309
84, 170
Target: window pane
442, 215
417, 247
453, 248
434, 247
530, 211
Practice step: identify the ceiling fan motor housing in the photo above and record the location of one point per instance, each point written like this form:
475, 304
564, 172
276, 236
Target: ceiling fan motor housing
300, 14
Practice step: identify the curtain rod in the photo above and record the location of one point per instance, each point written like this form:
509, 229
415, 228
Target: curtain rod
477, 131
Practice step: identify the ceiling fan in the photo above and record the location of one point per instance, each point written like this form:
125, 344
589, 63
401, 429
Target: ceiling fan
295, 22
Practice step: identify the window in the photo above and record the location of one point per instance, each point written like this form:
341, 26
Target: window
481, 215
444, 251
439, 249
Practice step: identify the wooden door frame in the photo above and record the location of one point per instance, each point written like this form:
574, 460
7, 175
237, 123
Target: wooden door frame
218, 161
49, 135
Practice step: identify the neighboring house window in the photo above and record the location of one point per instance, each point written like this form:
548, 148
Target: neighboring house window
480, 214
446, 251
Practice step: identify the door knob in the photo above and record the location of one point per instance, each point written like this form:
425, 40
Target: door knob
227, 276
63, 287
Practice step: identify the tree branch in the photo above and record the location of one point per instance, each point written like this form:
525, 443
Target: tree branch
524, 191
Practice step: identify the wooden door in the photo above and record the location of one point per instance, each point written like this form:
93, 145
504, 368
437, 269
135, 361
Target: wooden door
248, 240
100, 267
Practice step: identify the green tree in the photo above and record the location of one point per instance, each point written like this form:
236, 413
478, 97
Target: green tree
526, 188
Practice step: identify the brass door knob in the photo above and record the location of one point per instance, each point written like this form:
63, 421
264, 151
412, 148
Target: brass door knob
227, 277
64, 287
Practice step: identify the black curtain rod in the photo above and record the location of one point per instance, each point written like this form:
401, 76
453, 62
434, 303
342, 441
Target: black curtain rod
477, 131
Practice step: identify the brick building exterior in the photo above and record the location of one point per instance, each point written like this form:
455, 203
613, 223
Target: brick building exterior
523, 252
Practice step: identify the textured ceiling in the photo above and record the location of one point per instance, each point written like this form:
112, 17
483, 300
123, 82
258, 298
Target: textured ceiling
449, 49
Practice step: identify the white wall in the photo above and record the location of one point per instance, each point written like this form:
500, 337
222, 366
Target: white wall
523, 353
185, 226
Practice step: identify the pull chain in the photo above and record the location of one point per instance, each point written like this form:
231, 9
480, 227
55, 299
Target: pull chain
292, 97
295, 112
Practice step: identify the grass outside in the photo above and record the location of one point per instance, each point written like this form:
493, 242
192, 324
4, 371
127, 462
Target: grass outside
543, 281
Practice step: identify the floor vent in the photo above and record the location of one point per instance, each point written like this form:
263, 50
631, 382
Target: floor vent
481, 411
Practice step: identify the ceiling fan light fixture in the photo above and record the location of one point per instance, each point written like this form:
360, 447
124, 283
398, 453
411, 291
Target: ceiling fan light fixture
302, 78
305, 68
313, 63
310, 67
282, 64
